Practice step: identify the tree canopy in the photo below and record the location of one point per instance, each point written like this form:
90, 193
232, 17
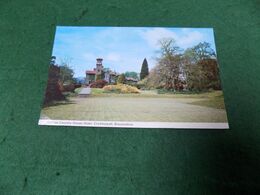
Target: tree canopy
53, 91
144, 69
66, 73
195, 68
132, 75
201, 68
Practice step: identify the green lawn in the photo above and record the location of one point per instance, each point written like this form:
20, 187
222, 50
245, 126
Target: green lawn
148, 106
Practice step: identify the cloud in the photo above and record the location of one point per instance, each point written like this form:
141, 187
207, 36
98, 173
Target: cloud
184, 38
152, 36
189, 38
114, 57
88, 56
123, 49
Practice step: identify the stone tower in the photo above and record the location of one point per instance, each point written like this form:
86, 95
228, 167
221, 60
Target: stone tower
99, 66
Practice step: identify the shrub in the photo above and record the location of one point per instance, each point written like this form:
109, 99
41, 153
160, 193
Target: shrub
98, 77
120, 88
77, 86
121, 79
142, 84
68, 88
98, 84
53, 91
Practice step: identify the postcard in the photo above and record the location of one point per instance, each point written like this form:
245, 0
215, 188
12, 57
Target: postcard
134, 77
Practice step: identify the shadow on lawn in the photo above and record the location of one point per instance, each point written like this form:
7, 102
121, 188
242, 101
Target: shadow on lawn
59, 103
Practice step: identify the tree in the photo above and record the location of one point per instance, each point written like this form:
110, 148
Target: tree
203, 51
211, 71
121, 79
132, 74
53, 91
201, 69
195, 68
168, 47
144, 69
169, 65
66, 72
154, 80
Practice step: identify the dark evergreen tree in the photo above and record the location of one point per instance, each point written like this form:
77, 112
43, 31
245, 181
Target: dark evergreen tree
144, 69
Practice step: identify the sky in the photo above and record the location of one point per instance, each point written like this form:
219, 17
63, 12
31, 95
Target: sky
122, 48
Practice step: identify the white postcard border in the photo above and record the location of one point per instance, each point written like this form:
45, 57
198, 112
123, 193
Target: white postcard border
130, 124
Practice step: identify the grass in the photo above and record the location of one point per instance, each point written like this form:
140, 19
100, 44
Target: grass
212, 96
96, 91
125, 107
213, 102
77, 90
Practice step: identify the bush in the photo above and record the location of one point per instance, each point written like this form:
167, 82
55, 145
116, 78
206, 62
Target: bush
67, 88
77, 85
120, 88
98, 77
53, 91
142, 84
98, 84
121, 79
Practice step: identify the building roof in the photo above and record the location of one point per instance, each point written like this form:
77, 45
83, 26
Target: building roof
90, 72
131, 79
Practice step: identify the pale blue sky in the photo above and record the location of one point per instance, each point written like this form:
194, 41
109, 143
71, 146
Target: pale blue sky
122, 48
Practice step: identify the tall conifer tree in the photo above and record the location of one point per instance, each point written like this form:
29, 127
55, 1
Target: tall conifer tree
144, 69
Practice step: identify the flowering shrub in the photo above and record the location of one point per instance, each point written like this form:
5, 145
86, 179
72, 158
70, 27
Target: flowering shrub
98, 84
120, 88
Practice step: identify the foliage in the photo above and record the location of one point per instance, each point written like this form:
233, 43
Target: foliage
79, 80
53, 90
77, 90
120, 88
132, 83
144, 70
133, 75
142, 84
66, 73
98, 84
153, 81
201, 68
168, 47
194, 69
202, 51
98, 77
210, 67
121, 79
167, 73
69, 87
